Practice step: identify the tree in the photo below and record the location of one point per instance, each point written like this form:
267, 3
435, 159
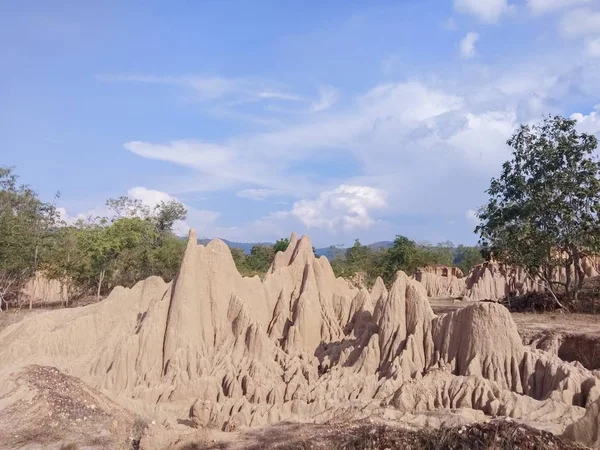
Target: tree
127, 207
260, 259
543, 209
402, 255
167, 213
467, 257
281, 245
25, 225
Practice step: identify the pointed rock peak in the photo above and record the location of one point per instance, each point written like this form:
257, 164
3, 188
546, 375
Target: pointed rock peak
219, 246
293, 239
378, 286
192, 238
303, 246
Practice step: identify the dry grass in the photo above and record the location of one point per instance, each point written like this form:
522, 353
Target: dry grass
71, 446
496, 435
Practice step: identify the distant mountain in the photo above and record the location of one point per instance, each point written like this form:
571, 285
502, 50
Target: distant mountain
381, 244
245, 246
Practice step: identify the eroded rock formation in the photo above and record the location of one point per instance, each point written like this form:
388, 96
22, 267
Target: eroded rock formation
229, 352
441, 281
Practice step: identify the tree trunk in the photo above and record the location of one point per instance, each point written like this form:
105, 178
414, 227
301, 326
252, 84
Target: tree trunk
568, 278
579, 274
100, 278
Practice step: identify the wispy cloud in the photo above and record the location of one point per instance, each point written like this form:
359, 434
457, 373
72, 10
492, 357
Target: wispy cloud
207, 88
467, 45
547, 6
258, 194
580, 22
328, 95
484, 10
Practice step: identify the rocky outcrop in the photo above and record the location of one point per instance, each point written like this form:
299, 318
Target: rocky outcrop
42, 290
441, 283
443, 271
494, 281
226, 351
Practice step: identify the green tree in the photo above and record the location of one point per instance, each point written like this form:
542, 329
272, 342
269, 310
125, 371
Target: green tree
402, 255
543, 209
281, 245
127, 207
260, 259
25, 226
467, 257
167, 213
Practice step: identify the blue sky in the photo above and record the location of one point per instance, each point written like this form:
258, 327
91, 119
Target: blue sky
337, 119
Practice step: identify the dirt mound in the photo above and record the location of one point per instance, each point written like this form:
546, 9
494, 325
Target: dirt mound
41, 405
219, 351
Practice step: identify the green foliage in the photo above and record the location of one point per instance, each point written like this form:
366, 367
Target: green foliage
358, 259
543, 209
260, 258
25, 223
466, 257
94, 255
281, 245
167, 213
404, 254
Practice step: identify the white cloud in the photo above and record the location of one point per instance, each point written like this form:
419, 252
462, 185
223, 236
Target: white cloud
471, 216
206, 88
589, 123
412, 140
258, 194
484, 10
347, 207
546, 6
149, 197
328, 95
265, 159
580, 22
592, 47
467, 45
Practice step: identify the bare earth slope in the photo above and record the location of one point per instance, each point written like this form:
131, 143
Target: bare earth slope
218, 350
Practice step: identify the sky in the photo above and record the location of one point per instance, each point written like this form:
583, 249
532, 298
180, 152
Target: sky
338, 119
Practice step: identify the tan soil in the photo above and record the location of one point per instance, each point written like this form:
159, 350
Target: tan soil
213, 350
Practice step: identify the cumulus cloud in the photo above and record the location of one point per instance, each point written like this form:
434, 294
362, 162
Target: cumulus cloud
484, 10
589, 123
467, 45
347, 207
411, 140
580, 22
546, 6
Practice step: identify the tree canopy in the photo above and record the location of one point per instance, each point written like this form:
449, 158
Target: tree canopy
94, 254
543, 209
